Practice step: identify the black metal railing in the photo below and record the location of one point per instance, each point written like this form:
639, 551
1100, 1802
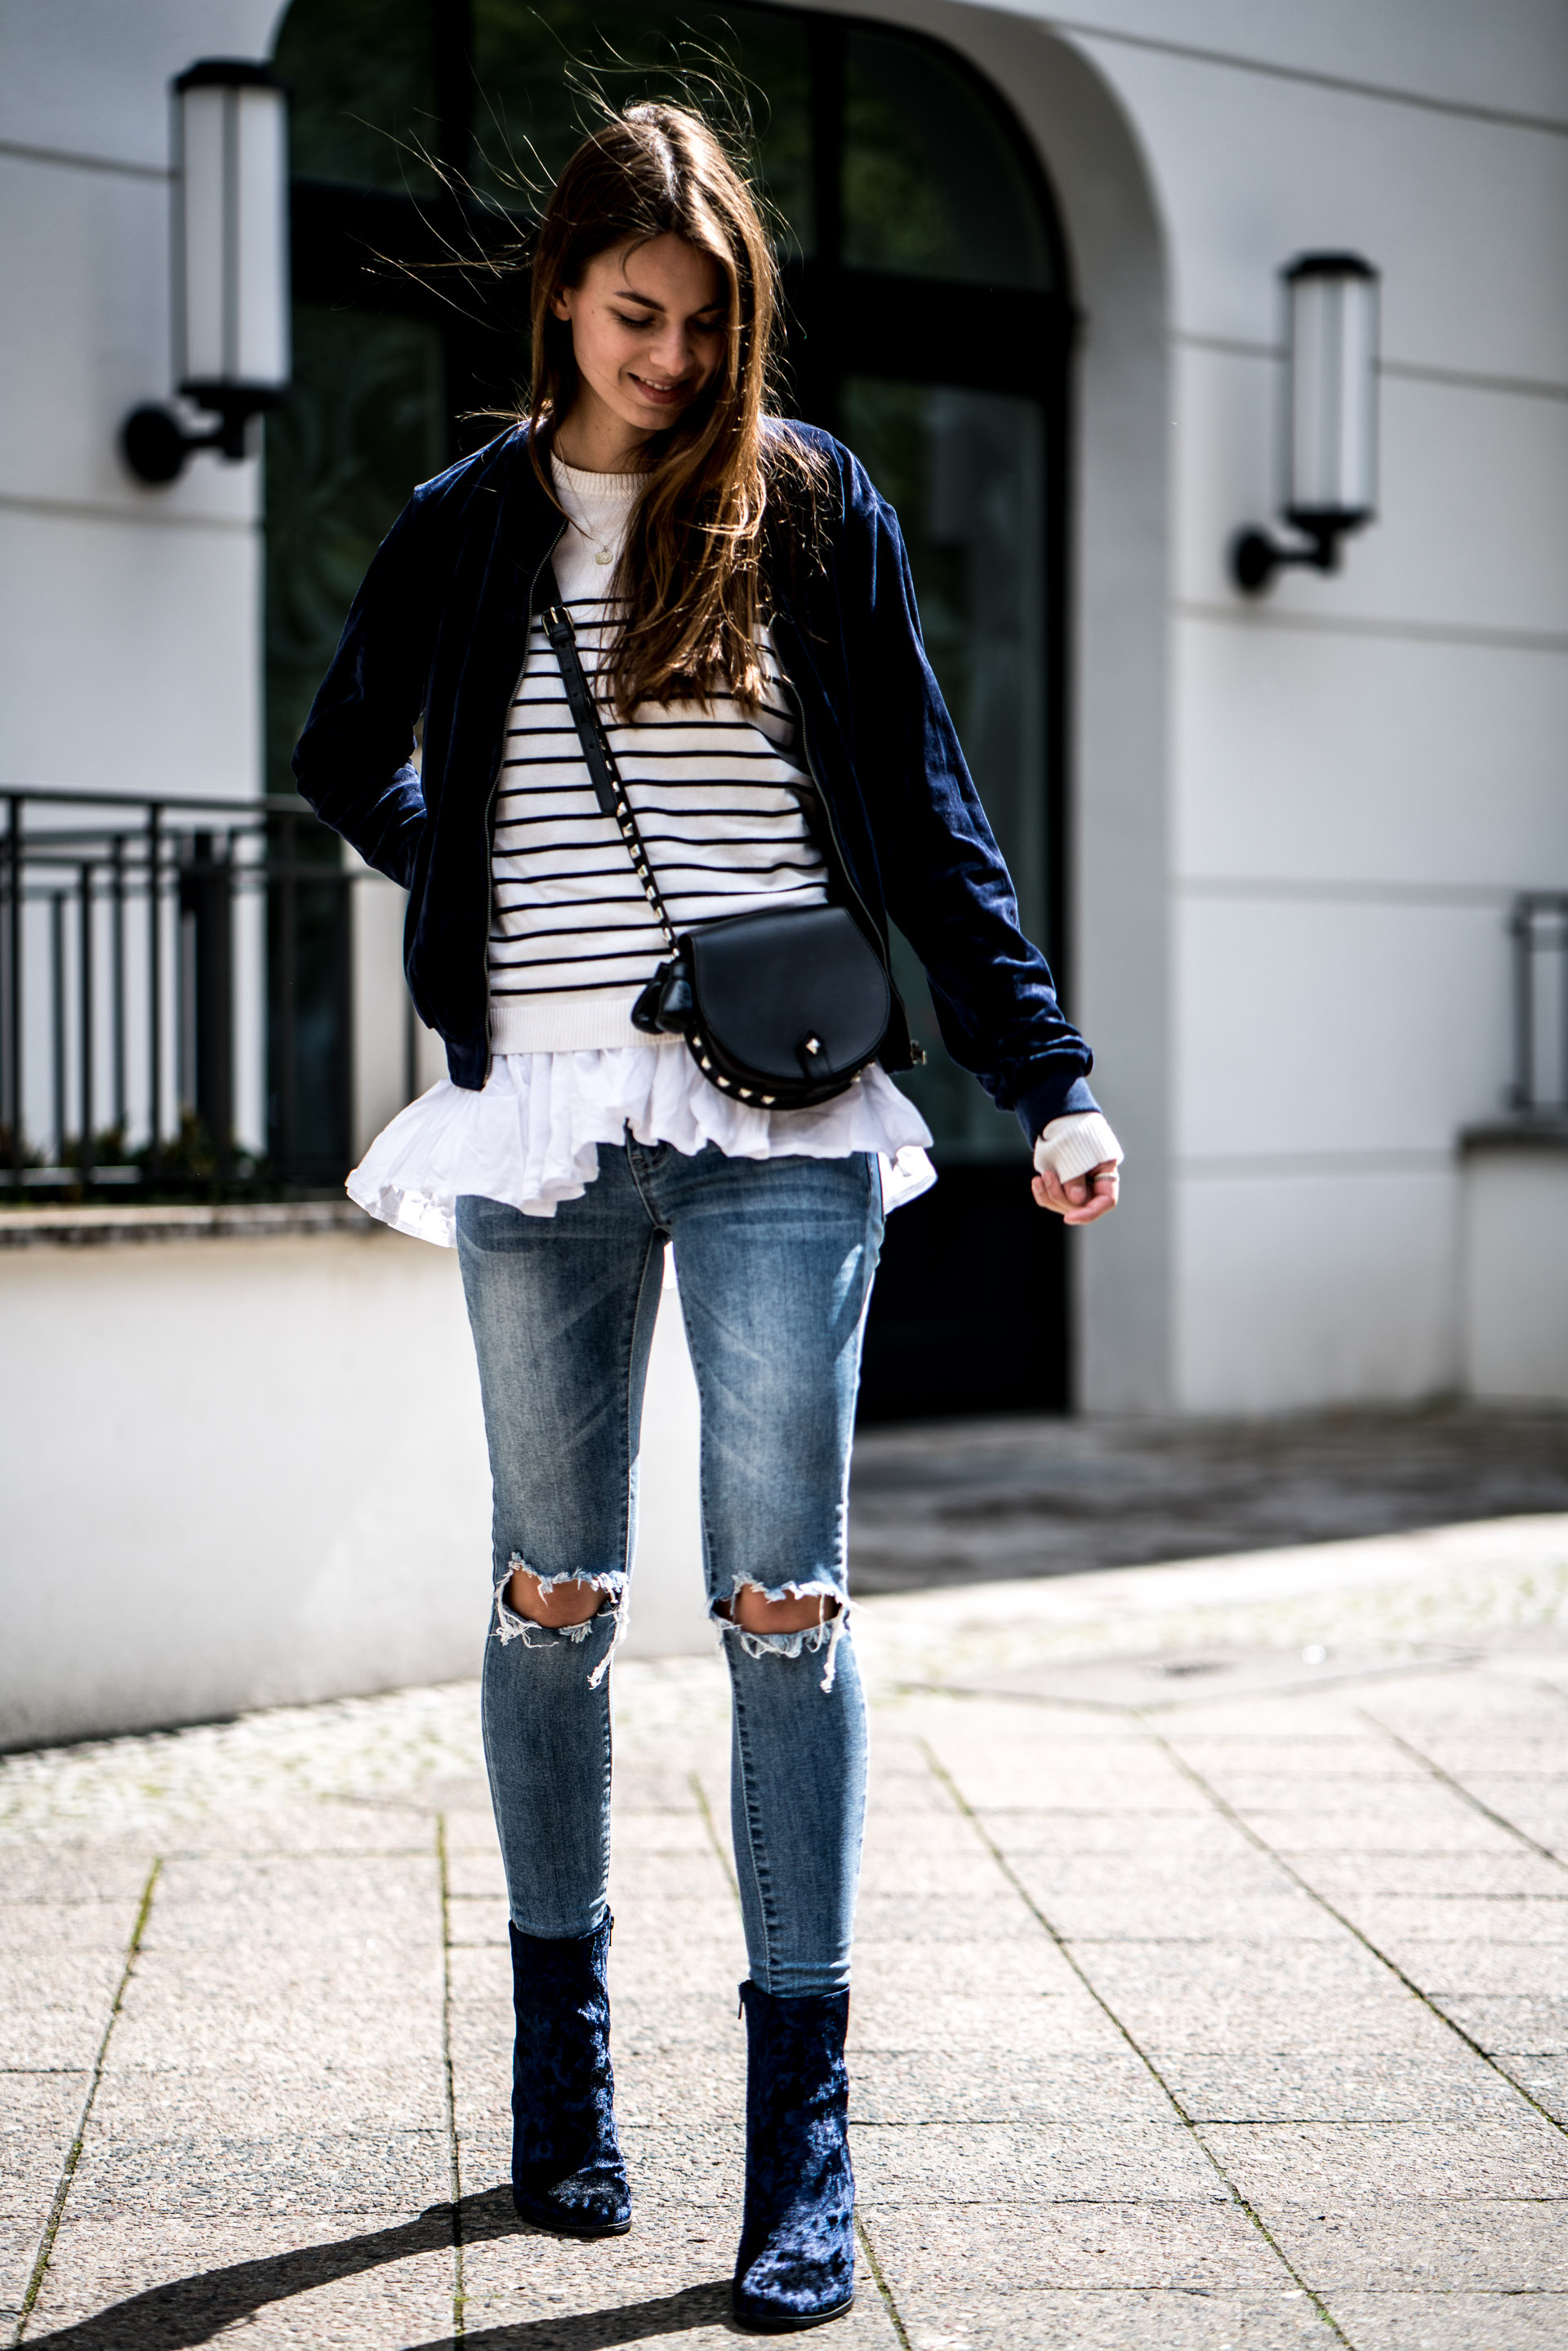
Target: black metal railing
176, 993
1538, 925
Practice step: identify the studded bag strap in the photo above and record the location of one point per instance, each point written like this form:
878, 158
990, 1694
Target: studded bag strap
603, 773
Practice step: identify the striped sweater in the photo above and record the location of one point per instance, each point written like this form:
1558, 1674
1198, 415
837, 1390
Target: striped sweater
572, 938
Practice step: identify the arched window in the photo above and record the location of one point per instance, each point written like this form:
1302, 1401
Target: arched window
929, 327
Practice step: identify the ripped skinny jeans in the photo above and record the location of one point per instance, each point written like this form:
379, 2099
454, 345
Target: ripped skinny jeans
775, 1259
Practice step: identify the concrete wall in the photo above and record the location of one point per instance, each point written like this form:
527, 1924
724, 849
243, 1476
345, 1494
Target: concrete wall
129, 619
1364, 768
1516, 1267
247, 1468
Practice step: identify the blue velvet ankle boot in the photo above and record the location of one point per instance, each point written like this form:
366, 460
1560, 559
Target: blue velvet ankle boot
796, 2266
567, 2172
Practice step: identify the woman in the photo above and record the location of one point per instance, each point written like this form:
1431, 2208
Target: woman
742, 600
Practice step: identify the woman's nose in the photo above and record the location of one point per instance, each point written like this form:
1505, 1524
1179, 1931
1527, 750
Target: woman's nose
672, 351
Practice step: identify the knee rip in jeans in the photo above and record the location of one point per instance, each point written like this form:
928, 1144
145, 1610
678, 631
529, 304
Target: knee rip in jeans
828, 1632
512, 1627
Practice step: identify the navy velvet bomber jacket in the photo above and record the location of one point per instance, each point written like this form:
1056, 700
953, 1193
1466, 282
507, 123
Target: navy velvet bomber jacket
440, 629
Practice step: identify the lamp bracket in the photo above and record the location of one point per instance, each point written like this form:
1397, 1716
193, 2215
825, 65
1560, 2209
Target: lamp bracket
155, 444
1255, 556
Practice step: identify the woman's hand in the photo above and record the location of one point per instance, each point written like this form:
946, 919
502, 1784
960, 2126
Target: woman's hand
1082, 1198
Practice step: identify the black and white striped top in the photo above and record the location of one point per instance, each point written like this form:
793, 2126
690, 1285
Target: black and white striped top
572, 938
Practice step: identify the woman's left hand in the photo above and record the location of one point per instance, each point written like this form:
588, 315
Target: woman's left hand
1082, 1198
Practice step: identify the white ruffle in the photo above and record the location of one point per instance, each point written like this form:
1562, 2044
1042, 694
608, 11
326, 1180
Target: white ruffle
532, 1137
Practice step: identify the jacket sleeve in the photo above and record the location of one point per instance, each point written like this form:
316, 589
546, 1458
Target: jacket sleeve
355, 761
947, 884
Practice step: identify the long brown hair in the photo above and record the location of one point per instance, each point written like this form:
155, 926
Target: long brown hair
690, 572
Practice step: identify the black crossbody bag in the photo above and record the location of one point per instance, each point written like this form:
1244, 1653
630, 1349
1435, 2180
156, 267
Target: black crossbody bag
780, 1010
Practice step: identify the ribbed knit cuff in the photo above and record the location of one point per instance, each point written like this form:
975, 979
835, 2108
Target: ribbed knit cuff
589, 1022
1072, 1145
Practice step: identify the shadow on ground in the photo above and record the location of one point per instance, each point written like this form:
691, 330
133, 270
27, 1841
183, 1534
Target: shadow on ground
192, 2310
947, 1503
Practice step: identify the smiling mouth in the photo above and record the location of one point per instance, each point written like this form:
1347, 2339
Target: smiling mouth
678, 388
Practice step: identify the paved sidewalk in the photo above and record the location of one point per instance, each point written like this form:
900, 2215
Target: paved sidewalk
1210, 1989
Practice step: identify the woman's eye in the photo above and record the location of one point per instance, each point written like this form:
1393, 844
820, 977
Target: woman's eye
638, 323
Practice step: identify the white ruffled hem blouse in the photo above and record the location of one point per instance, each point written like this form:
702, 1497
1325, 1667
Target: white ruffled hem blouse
530, 1139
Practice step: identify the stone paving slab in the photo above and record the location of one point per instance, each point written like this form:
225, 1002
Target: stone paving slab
1337, 2085
1034, 2163
1157, 1911
913, 2013
1427, 1825
27, 1928
1448, 1877
274, 2104
18, 2251
1470, 1923
1516, 2153
1454, 2321
145, 2282
952, 1933
1205, 2242
1190, 2319
1450, 1970
1544, 2080
1225, 2010
38, 2119
1463, 2243
219, 2170
1169, 1995
1189, 1846
70, 1873
1511, 2027
1001, 2085
667, 2283
53, 2004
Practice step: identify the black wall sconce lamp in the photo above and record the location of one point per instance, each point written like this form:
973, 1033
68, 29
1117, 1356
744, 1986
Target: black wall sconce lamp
230, 241
1331, 418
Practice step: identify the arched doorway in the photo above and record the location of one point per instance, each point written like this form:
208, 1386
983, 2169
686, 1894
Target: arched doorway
930, 328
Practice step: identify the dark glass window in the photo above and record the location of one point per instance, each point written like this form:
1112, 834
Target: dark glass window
363, 108
965, 470
365, 421
533, 67
934, 186
928, 319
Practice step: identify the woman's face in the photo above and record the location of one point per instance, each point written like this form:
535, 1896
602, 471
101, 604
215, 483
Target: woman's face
648, 325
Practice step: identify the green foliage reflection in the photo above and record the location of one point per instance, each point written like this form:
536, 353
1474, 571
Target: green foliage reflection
965, 471
362, 103
366, 421
933, 185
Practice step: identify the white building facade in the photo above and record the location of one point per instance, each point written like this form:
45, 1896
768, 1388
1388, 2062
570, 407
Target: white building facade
1290, 827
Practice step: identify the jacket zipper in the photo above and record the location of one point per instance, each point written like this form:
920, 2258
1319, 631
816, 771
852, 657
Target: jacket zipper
495, 788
